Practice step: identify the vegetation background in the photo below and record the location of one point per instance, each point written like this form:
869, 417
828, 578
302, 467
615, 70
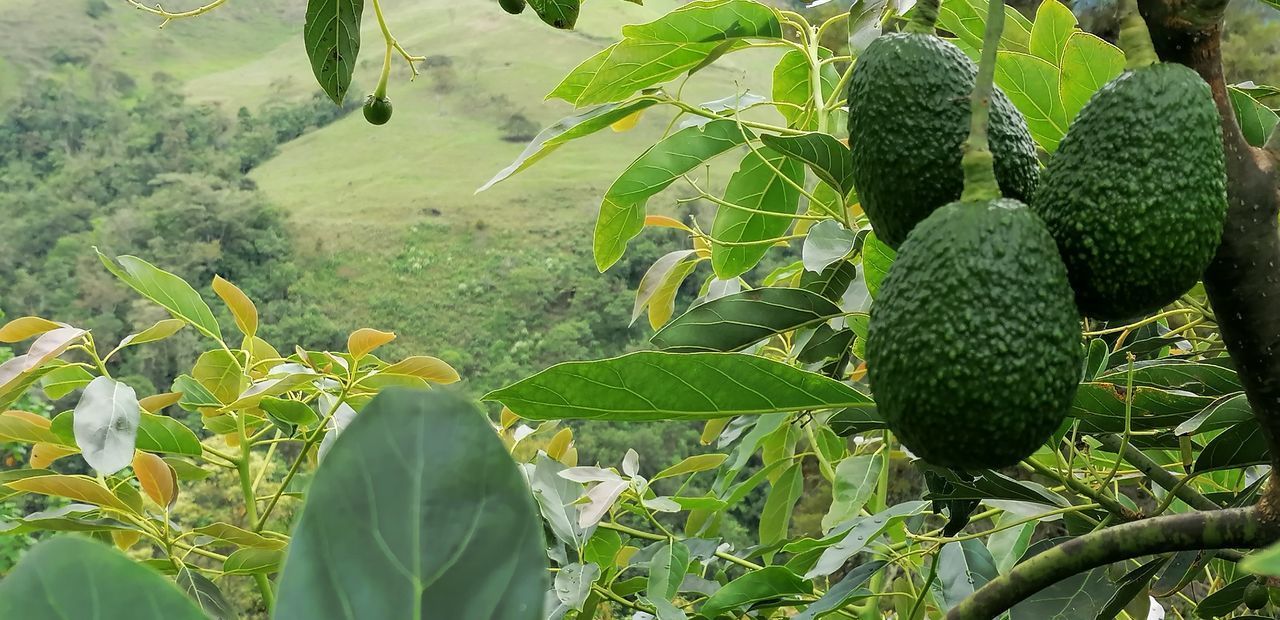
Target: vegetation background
206, 148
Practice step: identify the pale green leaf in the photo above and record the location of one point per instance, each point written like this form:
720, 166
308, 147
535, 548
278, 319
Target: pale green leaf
331, 35
166, 289
759, 184
711, 20
1088, 63
1052, 28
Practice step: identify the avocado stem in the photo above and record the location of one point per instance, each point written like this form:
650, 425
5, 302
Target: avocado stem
979, 165
925, 17
1135, 39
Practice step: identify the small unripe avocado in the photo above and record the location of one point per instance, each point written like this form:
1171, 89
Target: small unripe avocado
1136, 194
514, 7
973, 346
908, 117
1256, 596
377, 110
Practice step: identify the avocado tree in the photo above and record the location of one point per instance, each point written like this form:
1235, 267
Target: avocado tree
1002, 401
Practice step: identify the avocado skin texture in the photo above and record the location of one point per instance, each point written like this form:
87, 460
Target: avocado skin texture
908, 117
973, 348
1136, 194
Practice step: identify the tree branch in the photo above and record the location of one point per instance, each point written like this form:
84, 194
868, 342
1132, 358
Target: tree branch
1157, 474
1218, 529
1242, 282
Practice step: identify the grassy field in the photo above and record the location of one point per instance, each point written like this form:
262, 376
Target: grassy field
386, 219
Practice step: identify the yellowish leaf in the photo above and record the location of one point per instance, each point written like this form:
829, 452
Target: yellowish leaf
560, 443
44, 454
124, 539
156, 402
662, 221
242, 308
157, 478
623, 557
220, 373
25, 327
712, 429
259, 350
628, 122
26, 427
508, 418
79, 488
424, 367
570, 458
364, 340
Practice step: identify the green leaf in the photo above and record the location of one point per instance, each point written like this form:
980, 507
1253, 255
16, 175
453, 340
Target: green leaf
963, 567
19, 426
767, 583
1167, 373
194, 395
711, 20
72, 578
556, 497
1131, 586
219, 372
1241, 445
1101, 407
848, 590
626, 67
876, 260
650, 385
855, 482
1223, 413
775, 517
1032, 85
667, 569
854, 536
161, 330
1073, 598
755, 186
293, 412
166, 289
442, 510
1224, 600
1088, 63
828, 158
826, 243
735, 322
566, 129
1264, 562
825, 343
622, 212
690, 465
855, 420
572, 587
1053, 26
967, 19
1256, 120
106, 425
205, 593
1007, 545
864, 23
1096, 358
793, 87
989, 484
253, 561
240, 537
65, 380
562, 14
332, 38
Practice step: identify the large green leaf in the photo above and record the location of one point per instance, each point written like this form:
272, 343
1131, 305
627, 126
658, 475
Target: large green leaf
1225, 600
332, 38
622, 212
767, 583
853, 536
1032, 85
561, 14
855, 482
828, 242
1053, 26
775, 517
1256, 120
72, 578
441, 510
205, 593
628, 66
963, 567
711, 20
1241, 445
667, 570
1200, 378
734, 322
760, 184
1134, 584
1088, 63
876, 260
1224, 412
848, 590
566, 129
651, 385
156, 433
828, 158
1073, 598
967, 20
166, 289
793, 89
1101, 406
106, 425
1264, 562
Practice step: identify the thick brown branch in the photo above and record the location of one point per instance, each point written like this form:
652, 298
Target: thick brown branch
1243, 282
1218, 529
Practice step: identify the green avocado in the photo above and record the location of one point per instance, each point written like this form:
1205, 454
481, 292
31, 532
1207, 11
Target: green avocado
973, 346
1136, 194
1256, 596
908, 117
514, 7
377, 110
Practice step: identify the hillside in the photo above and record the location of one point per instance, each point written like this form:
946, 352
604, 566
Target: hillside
387, 225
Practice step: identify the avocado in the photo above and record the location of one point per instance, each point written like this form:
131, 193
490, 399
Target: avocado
514, 7
1136, 194
908, 117
973, 346
1256, 596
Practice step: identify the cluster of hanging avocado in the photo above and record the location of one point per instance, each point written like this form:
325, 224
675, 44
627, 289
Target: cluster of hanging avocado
973, 348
